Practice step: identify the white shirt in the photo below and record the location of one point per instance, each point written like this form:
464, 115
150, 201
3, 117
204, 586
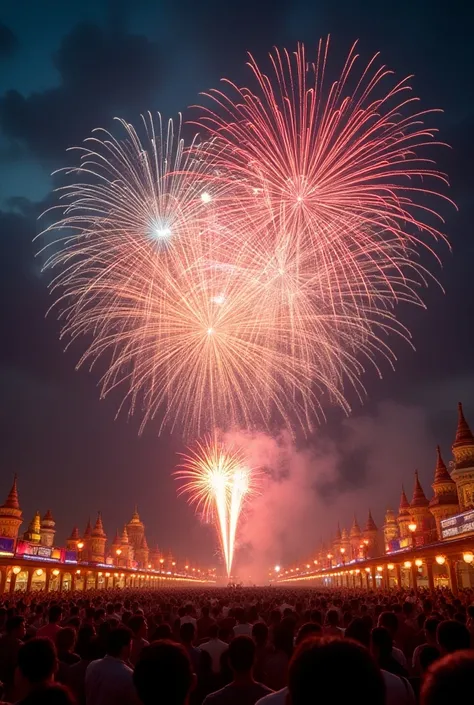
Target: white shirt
398, 691
109, 681
245, 629
278, 698
187, 618
215, 648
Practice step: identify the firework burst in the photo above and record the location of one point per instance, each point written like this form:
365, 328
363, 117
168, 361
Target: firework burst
251, 278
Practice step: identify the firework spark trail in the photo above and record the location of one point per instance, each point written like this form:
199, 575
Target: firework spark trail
217, 480
250, 279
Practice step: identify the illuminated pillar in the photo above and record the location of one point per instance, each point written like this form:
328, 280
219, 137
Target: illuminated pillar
453, 578
373, 573
3, 580
12, 582
47, 582
61, 580
30, 578
367, 583
386, 577
398, 572
414, 577
429, 571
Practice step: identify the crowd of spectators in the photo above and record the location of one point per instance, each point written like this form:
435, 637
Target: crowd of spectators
239, 646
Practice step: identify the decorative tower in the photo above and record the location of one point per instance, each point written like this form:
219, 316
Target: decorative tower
391, 531
98, 541
154, 558
116, 543
73, 540
33, 533
48, 530
135, 530
445, 501
86, 540
345, 545
355, 538
126, 556
421, 515
463, 473
10, 515
336, 545
370, 537
142, 553
404, 516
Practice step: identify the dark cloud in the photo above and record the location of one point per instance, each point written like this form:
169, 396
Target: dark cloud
102, 73
8, 42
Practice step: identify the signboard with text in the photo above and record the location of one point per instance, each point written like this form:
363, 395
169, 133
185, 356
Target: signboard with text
458, 525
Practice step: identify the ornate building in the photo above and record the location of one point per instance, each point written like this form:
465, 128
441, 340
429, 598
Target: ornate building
136, 530
33, 533
47, 530
355, 538
391, 531
421, 515
97, 541
11, 515
445, 501
452, 493
463, 472
404, 517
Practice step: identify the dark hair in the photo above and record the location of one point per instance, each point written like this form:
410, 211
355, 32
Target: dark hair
453, 636
260, 633
389, 620
53, 694
381, 639
65, 639
317, 665
213, 631
241, 654
310, 629
187, 632
333, 618
14, 623
37, 660
117, 639
85, 642
135, 623
431, 625
163, 631
316, 616
163, 673
54, 614
427, 655
359, 631
449, 680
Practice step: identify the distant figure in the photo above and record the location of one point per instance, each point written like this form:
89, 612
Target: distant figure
204, 623
10, 645
188, 616
452, 636
215, 647
37, 666
109, 681
187, 633
429, 628
333, 628
243, 690
242, 628
52, 628
163, 674
336, 671
138, 625
449, 680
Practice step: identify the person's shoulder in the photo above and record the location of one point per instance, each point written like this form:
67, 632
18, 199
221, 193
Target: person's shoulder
272, 698
214, 698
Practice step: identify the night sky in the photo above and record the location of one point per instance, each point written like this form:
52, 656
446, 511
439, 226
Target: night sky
67, 67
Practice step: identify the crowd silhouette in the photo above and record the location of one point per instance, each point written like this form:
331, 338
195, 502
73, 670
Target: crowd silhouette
237, 646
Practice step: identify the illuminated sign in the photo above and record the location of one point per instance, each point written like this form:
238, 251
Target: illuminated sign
457, 525
7, 546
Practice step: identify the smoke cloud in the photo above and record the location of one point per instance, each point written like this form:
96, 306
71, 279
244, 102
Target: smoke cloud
306, 490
